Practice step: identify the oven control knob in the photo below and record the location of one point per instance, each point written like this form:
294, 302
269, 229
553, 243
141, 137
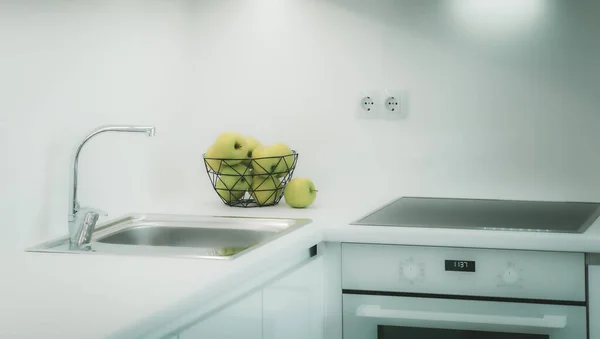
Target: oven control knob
410, 271
510, 276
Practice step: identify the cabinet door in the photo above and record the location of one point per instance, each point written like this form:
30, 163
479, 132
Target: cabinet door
243, 319
293, 304
594, 299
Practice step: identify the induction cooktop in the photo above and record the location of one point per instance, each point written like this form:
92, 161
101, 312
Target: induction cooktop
485, 214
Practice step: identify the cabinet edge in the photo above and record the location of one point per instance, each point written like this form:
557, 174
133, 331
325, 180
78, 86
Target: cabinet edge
594, 259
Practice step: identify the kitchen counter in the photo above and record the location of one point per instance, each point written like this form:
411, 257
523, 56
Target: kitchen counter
99, 296
66, 296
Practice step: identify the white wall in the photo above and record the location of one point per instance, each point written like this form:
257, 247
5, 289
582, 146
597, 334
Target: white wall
503, 119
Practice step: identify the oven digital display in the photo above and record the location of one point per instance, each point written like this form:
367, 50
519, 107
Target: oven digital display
460, 265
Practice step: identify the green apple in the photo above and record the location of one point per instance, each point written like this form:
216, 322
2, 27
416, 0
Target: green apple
300, 193
232, 176
274, 159
231, 146
227, 194
251, 144
262, 162
236, 179
212, 160
265, 189
285, 158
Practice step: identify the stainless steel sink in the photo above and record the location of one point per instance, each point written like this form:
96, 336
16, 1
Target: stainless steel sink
186, 237
212, 237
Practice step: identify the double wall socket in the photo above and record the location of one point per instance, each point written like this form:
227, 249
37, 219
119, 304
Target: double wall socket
387, 104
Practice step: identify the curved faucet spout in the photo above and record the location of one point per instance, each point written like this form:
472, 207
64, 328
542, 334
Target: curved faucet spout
74, 223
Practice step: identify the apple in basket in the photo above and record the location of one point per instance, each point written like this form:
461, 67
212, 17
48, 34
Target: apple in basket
265, 189
276, 159
230, 146
233, 182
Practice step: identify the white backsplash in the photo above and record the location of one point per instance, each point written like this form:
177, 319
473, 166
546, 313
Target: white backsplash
480, 124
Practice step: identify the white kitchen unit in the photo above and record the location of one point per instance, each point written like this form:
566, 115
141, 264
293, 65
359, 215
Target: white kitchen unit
243, 319
291, 307
594, 295
293, 304
393, 291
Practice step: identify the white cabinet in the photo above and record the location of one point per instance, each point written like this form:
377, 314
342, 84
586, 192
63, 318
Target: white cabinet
594, 300
242, 319
290, 307
293, 305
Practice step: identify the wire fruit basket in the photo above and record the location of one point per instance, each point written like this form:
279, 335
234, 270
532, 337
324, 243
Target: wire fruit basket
255, 182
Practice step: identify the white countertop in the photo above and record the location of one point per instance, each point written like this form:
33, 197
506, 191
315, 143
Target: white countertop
46, 295
66, 295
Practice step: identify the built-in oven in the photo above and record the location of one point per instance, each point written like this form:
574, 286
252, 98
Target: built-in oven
414, 292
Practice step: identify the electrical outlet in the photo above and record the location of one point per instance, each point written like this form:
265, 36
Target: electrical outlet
395, 104
391, 103
369, 104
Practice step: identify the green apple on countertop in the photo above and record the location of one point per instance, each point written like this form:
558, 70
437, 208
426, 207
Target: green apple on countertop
300, 192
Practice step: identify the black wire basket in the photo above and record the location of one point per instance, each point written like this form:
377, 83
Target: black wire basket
256, 182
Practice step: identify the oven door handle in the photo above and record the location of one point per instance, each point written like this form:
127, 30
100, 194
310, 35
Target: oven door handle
547, 321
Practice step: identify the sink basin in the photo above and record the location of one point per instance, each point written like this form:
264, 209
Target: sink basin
212, 237
186, 237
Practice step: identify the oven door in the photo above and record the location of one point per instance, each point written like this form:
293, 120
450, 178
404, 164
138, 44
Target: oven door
396, 317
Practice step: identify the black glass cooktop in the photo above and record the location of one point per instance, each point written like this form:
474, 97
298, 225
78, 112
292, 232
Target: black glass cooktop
511, 215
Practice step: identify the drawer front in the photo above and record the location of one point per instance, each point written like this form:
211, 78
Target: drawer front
381, 317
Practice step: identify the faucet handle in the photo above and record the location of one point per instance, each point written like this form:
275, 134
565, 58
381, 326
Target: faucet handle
85, 225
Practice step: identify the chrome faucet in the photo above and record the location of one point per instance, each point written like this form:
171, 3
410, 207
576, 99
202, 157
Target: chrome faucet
82, 220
